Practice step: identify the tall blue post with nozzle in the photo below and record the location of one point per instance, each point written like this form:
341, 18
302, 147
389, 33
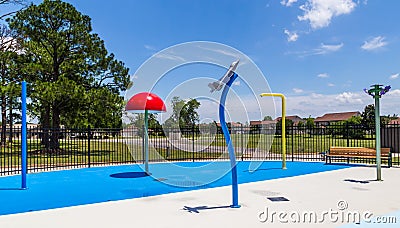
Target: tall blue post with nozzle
24, 138
228, 140
227, 80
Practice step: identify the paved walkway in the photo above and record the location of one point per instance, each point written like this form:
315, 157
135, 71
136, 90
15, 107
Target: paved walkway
329, 197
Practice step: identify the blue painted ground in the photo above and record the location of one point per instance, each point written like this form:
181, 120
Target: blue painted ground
66, 188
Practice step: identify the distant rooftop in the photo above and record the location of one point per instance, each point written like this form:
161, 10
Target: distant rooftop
330, 117
395, 121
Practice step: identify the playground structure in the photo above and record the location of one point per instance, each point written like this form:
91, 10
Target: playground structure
146, 102
376, 92
283, 123
229, 77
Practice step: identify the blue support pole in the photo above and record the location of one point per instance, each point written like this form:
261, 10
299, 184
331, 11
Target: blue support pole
228, 140
23, 138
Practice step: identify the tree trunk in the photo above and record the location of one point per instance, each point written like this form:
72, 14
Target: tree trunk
3, 120
54, 142
10, 116
45, 124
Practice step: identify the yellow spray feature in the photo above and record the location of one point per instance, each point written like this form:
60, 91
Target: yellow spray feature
283, 123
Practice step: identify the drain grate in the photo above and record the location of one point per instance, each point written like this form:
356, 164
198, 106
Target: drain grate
277, 199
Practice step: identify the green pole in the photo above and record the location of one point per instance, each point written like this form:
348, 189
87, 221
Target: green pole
377, 133
376, 92
146, 142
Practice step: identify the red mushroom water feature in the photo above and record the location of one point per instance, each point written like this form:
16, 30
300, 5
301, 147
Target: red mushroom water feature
146, 103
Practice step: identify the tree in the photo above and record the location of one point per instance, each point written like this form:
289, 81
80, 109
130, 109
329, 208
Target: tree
269, 118
189, 115
354, 129
9, 77
138, 122
368, 116
288, 123
69, 68
183, 113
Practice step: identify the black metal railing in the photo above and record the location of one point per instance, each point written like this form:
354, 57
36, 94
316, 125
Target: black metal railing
50, 149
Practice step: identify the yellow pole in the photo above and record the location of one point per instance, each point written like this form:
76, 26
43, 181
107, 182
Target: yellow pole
283, 123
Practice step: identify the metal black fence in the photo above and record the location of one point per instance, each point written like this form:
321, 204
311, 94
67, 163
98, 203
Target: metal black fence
50, 149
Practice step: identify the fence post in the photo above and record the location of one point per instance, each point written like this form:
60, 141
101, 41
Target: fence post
241, 139
291, 132
89, 133
347, 134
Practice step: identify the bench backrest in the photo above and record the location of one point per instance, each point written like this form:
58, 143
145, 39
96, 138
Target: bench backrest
358, 151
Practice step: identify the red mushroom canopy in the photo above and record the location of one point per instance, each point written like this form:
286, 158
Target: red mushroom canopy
145, 101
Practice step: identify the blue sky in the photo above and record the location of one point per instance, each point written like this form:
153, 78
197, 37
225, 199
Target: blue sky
319, 53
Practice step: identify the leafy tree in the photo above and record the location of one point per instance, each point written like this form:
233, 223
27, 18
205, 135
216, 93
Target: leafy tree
288, 123
354, 129
189, 115
183, 113
9, 76
368, 116
269, 118
69, 69
310, 124
138, 122
351, 128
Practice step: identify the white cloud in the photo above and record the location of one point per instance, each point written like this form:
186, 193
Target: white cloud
291, 36
297, 90
321, 50
323, 75
331, 84
331, 48
374, 43
149, 47
319, 13
349, 98
395, 92
288, 2
394, 76
171, 56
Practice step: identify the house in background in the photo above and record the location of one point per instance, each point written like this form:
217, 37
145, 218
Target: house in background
263, 123
330, 118
296, 119
234, 128
395, 121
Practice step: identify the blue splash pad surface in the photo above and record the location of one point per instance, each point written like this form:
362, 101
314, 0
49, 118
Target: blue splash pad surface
57, 189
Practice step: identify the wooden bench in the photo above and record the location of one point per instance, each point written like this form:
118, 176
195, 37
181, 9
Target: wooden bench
357, 152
